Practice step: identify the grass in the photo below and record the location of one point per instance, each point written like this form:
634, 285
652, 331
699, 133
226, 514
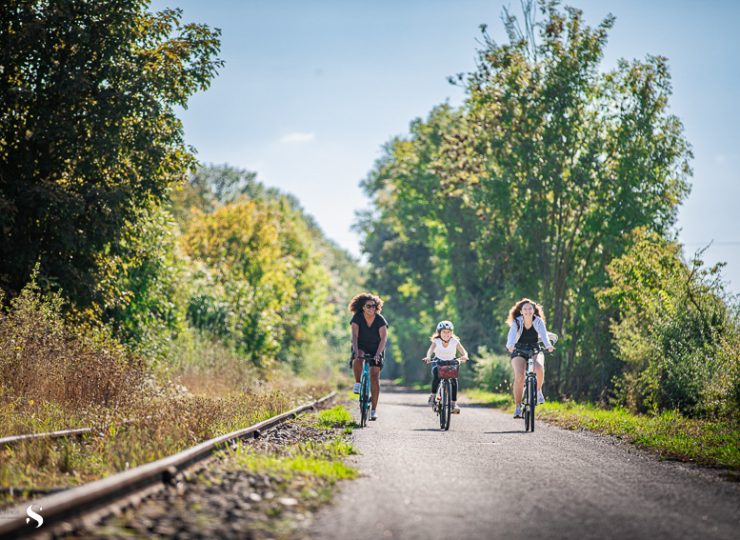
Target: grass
319, 462
476, 396
58, 372
305, 471
313, 461
278, 480
669, 434
336, 417
143, 431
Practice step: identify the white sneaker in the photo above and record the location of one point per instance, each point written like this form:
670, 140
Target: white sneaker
373, 415
456, 409
518, 411
356, 388
540, 398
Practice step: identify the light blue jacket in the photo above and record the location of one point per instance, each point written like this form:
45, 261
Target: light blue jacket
515, 331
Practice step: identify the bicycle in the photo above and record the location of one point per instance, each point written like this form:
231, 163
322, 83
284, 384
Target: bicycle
365, 389
529, 398
447, 370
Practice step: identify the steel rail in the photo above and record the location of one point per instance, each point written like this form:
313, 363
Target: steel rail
84, 505
72, 432
13, 439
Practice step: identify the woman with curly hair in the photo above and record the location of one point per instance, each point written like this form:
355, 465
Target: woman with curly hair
369, 336
526, 328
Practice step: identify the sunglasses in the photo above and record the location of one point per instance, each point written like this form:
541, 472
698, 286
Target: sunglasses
368, 306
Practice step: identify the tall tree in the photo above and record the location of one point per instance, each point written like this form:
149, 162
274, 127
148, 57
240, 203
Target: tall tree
573, 160
88, 132
266, 278
537, 182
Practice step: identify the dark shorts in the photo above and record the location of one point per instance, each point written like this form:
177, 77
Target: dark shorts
519, 352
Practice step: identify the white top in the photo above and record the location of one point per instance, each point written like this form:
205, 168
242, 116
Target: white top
445, 352
516, 328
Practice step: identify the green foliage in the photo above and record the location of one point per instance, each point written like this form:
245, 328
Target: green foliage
263, 277
529, 189
405, 240
88, 131
477, 396
212, 186
143, 287
90, 151
260, 284
493, 372
673, 330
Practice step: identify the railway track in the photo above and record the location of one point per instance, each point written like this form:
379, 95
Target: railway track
83, 506
61, 434
15, 439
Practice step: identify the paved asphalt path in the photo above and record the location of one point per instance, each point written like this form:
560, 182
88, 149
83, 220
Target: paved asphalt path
486, 478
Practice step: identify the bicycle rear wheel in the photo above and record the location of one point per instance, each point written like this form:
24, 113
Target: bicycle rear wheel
448, 404
525, 404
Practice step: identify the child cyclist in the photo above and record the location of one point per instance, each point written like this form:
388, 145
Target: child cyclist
445, 345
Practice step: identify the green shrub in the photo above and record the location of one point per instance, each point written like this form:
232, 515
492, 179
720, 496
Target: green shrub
676, 330
493, 371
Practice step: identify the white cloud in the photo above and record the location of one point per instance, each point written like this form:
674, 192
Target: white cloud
298, 137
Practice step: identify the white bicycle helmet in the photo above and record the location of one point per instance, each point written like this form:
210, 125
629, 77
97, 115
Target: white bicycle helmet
445, 325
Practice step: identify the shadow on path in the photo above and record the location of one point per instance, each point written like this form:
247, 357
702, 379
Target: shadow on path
388, 386
425, 404
475, 405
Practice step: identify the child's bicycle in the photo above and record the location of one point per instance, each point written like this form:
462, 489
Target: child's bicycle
365, 389
529, 398
447, 370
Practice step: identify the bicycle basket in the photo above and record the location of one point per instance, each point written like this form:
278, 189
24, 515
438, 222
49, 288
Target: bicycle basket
447, 372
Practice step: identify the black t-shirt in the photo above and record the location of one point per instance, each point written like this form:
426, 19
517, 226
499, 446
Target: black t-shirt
529, 337
369, 336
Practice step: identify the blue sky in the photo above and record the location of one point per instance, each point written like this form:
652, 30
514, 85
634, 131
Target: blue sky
312, 89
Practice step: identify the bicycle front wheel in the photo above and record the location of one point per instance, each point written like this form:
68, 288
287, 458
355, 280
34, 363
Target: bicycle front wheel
532, 402
364, 400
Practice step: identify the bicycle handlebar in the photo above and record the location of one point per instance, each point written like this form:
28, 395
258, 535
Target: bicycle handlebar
526, 352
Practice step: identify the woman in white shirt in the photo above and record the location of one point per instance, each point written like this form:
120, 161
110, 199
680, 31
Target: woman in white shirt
445, 346
526, 329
